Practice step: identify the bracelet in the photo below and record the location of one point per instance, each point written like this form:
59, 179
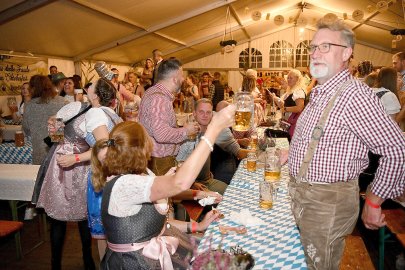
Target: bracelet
371, 204
194, 194
188, 227
194, 227
77, 158
208, 143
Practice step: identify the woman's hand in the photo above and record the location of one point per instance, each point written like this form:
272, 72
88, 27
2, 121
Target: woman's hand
66, 160
207, 193
208, 219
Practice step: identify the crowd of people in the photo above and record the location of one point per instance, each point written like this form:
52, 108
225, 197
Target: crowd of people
120, 177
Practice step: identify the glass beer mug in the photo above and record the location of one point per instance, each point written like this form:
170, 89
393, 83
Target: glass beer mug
272, 166
265, 195
244, 111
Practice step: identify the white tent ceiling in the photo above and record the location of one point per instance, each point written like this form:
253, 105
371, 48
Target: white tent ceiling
126, 31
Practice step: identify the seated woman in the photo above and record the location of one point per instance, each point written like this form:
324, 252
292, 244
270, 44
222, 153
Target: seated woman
292, 102
135, 205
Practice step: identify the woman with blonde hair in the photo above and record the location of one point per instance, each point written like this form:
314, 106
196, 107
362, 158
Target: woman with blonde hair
292, 102
135, 205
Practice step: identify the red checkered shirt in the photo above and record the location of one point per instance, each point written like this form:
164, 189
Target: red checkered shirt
156, 114
357, 123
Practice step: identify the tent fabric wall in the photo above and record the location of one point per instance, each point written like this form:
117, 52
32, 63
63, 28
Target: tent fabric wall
293, 36
65, 66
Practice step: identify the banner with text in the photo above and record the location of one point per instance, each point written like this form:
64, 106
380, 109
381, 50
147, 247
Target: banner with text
14, 71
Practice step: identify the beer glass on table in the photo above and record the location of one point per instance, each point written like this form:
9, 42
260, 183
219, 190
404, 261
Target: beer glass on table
272, 166
244, 111
265, 195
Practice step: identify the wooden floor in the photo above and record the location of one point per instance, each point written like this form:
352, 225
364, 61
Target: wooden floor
40, 257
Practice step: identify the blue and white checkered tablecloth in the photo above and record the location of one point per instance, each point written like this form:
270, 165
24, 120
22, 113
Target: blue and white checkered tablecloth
275, 245
10, 154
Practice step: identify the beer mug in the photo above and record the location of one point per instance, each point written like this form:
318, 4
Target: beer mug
265, 195
244, 111
251, 161
57, 132
272, 166
191, 120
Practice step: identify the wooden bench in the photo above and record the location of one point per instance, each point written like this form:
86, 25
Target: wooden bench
8, 227
355, 255
395, 219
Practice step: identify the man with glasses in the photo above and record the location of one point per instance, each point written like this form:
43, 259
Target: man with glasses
343, 120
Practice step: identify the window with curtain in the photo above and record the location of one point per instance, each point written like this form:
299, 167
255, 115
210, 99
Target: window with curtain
302, 56
256, 58
281, 55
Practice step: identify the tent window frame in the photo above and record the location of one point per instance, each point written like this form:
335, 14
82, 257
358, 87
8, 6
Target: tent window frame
256, 59
281, 54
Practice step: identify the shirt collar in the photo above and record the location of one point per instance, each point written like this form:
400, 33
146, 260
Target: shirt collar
164, 90
331, 85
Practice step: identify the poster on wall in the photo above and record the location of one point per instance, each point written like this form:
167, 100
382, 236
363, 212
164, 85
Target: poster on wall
14, 71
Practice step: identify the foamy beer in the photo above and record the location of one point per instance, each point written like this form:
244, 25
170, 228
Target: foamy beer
251, 161
265, 195
272, 166
244, 108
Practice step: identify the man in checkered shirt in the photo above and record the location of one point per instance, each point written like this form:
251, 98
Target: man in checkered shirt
325, 202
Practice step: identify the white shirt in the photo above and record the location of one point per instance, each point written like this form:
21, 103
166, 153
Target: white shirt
389, 101
95, 117
129, 192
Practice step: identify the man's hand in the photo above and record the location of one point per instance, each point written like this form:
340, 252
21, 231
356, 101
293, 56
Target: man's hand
199, 186
372, 216
244, 142
192, 128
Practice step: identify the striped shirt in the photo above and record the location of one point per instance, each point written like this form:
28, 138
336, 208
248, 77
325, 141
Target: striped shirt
357, 123
156, 114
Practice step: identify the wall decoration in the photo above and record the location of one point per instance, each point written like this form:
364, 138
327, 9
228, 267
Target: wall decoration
14, 71
278, 20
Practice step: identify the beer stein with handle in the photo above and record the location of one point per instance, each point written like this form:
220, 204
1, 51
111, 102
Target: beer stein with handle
244, 102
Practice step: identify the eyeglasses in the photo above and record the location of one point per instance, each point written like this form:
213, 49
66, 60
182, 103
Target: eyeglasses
323, 47
116, 75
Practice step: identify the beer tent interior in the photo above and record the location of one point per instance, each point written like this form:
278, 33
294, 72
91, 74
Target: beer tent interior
74, 34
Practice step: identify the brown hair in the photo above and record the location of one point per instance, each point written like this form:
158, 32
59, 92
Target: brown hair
129, 149
387, 78
40, 86
193, 78
105, 91
248, 83
371, 79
